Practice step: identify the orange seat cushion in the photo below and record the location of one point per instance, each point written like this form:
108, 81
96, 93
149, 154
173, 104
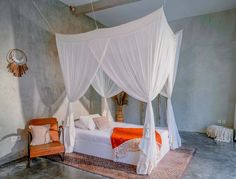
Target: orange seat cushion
46, 149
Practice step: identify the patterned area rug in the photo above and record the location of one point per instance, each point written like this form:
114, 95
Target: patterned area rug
171, 166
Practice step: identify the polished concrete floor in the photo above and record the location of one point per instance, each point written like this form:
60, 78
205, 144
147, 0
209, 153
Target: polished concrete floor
211, 161
44, 169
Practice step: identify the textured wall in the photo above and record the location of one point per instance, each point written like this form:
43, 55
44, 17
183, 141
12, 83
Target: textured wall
204, 92
41, 92
205, 88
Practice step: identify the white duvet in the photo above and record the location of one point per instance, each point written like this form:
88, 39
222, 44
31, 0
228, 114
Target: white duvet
97, 143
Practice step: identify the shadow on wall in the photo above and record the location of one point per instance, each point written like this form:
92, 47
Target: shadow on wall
20, 144
41, 89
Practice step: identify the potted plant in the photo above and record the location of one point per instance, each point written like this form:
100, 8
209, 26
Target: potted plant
120, 99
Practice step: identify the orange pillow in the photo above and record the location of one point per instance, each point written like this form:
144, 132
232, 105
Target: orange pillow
54, 132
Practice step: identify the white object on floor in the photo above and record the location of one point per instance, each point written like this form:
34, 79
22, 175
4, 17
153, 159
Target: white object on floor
98, 143
235, 120
220, 133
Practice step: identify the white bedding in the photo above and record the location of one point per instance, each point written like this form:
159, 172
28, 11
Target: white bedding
97, 143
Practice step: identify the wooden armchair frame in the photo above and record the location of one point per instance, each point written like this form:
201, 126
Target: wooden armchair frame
54, 147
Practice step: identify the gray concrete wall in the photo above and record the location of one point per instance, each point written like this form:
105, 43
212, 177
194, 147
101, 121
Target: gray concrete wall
41, 92
205, 88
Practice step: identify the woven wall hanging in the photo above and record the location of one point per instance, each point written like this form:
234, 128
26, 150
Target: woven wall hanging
17, 62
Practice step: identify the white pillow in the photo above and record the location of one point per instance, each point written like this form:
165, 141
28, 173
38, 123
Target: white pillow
86, 122
102, 123
40, 134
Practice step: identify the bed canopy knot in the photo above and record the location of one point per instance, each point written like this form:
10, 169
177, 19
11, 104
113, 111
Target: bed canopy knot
69, 133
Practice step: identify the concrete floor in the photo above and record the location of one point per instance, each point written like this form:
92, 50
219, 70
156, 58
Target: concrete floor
211, 161
44, 169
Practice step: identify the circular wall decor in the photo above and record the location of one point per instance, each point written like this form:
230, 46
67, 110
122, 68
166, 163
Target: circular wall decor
17, 62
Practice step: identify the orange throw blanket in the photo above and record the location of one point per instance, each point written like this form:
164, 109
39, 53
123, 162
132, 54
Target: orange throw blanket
121, 135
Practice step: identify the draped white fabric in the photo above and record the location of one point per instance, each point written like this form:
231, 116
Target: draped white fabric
136, 56
106, 88
69, 132
175, 140
141, 71
78, 68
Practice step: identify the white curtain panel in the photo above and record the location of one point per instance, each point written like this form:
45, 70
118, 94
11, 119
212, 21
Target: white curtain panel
106, 88
137, 56
69, 132
79, 67
175, 140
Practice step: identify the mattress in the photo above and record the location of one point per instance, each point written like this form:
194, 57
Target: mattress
97, 143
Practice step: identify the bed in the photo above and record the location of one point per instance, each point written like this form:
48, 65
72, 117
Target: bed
97, 143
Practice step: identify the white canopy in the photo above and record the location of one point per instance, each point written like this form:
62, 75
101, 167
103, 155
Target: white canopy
106, 88
138, 57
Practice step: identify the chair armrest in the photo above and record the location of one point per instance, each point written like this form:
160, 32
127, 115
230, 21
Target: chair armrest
29, 135
61, 130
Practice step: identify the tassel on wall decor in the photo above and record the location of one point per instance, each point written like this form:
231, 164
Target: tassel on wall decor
17, 62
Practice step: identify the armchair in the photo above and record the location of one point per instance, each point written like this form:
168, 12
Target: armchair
54, 147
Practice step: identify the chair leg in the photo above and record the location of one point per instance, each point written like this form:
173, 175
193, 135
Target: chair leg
28, 147
62, 156
28, 162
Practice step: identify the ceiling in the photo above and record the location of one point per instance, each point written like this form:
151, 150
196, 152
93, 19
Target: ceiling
77, 2
174, 9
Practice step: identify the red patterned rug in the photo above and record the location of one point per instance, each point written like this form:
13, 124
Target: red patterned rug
171, 166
